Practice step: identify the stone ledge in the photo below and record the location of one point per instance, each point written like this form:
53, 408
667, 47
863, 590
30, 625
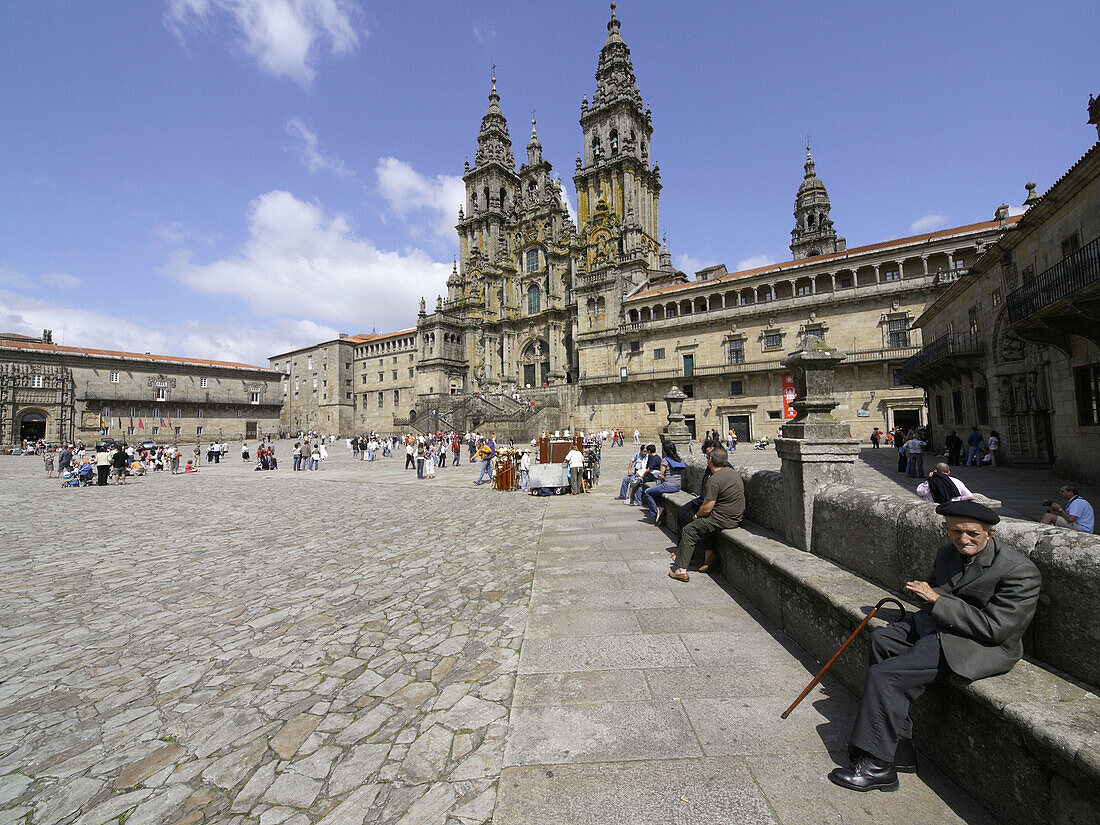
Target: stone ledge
1034, 734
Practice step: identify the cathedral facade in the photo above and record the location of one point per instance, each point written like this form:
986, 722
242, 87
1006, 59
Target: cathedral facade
593, 319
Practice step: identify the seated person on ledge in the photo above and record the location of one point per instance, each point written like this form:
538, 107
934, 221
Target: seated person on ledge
723, 508
977, 604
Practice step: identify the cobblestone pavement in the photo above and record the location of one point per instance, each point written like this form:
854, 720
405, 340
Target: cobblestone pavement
345, 647
236, 646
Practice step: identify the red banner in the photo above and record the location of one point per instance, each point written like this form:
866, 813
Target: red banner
789, 395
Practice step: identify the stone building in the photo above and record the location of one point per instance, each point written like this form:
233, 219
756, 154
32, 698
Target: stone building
385, 384
317, 389
67, 393
594, 320
1014, 346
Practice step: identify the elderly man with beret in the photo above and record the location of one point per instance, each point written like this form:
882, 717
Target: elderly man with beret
975, 608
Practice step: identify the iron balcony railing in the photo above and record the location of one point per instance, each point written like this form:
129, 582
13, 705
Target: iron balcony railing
742, 366
947, 346
1060, 281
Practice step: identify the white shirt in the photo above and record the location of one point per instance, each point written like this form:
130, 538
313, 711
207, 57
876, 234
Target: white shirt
925, 492
525, 462
574, 458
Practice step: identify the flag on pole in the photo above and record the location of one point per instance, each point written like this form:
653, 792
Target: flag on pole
162, 423
120, 422
169, 421
141, 424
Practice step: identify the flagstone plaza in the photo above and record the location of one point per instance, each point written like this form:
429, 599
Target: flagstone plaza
355, 646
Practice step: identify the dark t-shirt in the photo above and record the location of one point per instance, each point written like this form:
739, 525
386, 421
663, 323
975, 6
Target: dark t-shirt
727, 491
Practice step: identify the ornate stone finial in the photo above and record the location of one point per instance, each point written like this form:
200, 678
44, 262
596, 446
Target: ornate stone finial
809, 167
438, 303
534, 131
1032, 195
494, 77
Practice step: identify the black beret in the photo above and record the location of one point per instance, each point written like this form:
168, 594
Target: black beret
968, 509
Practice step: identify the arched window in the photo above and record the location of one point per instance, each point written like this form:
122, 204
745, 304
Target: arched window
614, 141
810, 221
488, 203
597, 150
534, 299
503, 195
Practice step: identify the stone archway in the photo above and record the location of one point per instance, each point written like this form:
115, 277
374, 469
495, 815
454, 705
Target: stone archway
31, 425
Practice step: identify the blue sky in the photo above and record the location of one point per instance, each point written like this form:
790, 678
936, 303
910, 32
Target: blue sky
233, 178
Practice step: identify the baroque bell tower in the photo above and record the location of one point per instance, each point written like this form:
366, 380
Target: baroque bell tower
813, 232
618, 192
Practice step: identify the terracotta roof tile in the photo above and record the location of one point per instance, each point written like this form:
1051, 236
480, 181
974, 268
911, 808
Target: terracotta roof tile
859, 250
110, 353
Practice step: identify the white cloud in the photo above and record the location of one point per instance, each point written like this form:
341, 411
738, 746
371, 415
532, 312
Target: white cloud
415, 196
308, 148
175, 233
929, 223
300, 259
60, 280
754, 262
690, 264
80, 327
283, 36
484, 32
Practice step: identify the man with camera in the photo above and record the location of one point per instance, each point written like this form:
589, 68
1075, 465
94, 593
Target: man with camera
1076, 515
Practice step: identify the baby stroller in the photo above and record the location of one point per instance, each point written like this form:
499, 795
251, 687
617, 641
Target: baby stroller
82, 477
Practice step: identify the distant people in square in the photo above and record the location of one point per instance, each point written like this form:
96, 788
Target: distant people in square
993, 447
975, 607
914, 456
954, 446
942, 487
575, 459
637, 436
1076, 515
975, 443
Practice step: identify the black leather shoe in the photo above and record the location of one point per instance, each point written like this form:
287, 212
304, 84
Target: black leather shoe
866, 774
905, 759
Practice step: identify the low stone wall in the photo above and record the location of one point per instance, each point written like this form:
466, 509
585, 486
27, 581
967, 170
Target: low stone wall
890, 541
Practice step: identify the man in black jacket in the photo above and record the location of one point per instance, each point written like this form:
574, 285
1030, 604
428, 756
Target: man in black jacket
975, 608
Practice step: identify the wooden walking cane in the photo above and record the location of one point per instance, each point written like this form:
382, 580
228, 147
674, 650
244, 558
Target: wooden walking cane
843, 647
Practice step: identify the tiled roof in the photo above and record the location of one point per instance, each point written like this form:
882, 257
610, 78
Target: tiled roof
859, 250
366, 339
110, 353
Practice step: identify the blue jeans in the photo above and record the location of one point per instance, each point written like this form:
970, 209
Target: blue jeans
974, 457
419, 468
524, 475
297, 462
625, 485
484, 470
672, 485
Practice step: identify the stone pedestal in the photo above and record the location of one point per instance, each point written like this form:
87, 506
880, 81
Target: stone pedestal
815, 449
677, 431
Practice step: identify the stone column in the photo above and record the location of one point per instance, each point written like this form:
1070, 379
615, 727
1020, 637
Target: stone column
816, 449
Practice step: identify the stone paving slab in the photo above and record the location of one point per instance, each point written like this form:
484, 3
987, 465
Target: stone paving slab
674, 718
661, 792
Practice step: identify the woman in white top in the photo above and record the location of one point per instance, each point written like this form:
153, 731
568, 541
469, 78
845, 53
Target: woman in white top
993, 445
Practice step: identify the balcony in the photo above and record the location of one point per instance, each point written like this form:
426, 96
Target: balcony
742, 367
945, 357
1062, 301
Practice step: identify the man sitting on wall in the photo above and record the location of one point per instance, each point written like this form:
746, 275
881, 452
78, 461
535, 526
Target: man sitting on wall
723, 508
634, 469
975, 608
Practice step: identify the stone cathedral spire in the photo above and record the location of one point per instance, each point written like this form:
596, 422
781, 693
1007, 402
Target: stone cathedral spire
614, 176
813, 232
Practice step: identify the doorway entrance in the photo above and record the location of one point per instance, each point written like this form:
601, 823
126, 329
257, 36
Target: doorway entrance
907, 419
740, 424
250, 429
32, 427
689, 422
